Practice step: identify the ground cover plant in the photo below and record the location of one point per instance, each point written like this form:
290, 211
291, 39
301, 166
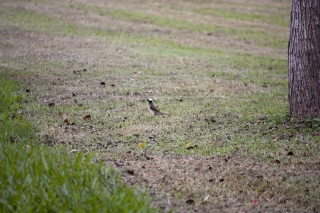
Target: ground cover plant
38, 178
219, 68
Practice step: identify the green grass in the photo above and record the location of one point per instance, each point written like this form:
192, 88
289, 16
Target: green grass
246, 12
40, 22
12, 126
240, 32
38, 178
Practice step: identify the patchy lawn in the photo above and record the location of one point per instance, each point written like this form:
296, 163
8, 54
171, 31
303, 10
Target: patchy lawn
219, 68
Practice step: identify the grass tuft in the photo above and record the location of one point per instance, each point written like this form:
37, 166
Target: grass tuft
38, 178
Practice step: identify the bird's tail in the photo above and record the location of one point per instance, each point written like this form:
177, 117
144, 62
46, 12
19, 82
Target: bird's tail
161, 113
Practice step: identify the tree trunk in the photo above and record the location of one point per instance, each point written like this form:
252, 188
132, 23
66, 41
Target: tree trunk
304, 59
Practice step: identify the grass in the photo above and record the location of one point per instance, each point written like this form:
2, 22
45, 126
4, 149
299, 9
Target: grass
218, 68
11, 125
144, 17
38, 178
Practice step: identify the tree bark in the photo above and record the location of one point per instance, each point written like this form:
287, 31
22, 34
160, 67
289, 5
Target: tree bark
304, 59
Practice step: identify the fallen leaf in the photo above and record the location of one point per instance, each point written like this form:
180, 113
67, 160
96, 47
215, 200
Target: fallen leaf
12, 139
188, 144
180, 59
206, 197
143, 144
51, 104
66, 121
149, 158
130, 171
87, 117
190, 202
192, 147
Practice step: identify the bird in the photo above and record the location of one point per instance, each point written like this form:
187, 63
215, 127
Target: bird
153, 109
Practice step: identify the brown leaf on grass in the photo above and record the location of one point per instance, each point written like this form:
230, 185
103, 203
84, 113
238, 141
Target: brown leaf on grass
148, 158
290, 153
191, 147
66, 121
51, 104
190, 202
130, 171
87, 117
12, 139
